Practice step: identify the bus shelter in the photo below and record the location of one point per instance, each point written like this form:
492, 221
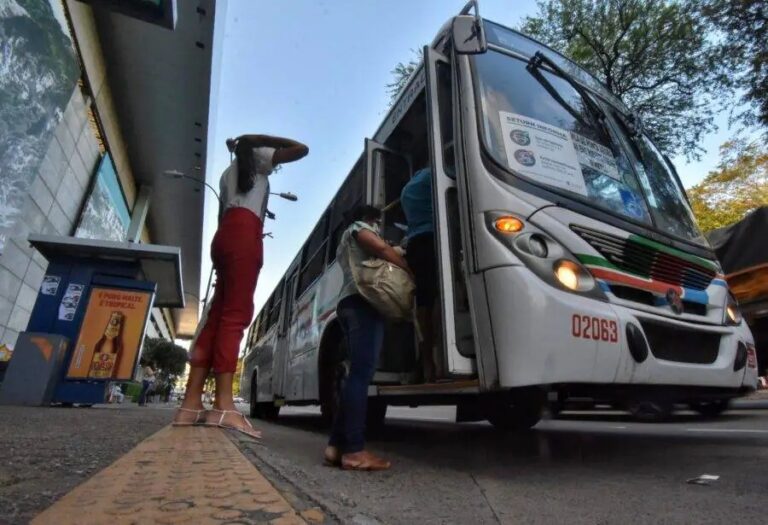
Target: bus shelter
89, 321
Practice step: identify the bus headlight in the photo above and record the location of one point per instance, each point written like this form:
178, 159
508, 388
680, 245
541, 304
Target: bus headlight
543, 254
732, 311
573, 276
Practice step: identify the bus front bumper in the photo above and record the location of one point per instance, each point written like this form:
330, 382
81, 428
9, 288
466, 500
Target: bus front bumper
546, 336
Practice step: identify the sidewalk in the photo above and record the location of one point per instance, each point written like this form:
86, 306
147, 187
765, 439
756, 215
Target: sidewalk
144, 471
178, 475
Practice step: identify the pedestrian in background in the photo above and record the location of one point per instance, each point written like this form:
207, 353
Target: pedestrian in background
363, 328
147, 382
237, 254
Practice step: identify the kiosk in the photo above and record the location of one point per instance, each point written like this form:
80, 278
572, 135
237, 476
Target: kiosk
90, 318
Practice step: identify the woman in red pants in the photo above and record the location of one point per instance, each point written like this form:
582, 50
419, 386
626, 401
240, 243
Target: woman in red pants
237, 256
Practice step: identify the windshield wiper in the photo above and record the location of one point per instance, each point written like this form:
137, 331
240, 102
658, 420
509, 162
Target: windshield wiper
595, 112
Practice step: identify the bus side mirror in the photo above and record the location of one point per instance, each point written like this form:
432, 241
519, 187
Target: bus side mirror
468, 35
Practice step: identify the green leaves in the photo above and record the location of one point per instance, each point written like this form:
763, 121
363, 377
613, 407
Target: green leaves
401, 73
654, 54
169, 359
741, 28
736, 187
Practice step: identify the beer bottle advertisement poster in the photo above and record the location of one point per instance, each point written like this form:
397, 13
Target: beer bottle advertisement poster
111, 334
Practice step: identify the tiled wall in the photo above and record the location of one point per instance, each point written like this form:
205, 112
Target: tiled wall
52, 207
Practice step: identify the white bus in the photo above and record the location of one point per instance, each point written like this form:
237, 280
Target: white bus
570, 263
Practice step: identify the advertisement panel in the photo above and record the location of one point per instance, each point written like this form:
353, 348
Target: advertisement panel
111, 334
105, 215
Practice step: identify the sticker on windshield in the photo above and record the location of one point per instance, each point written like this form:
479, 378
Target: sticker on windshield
542, 152
594, 155
633, 205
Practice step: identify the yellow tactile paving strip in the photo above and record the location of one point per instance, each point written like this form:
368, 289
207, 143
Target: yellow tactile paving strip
179, 475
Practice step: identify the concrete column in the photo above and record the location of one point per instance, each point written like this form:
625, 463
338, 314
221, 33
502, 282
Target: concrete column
139, 215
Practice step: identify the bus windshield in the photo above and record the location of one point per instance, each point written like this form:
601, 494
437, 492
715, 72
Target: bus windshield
539, 126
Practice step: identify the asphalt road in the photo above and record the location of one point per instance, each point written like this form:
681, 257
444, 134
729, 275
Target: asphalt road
588, 467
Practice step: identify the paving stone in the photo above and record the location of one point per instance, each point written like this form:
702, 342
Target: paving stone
176, 463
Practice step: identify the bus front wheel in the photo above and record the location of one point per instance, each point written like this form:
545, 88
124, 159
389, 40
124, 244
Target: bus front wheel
518, 416
651, 411
266, 411
710, 408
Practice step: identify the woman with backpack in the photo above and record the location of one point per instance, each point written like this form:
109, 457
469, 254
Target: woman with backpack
237, 254
363, 329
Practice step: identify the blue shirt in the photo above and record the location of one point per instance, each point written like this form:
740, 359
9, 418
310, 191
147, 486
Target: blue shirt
416, 201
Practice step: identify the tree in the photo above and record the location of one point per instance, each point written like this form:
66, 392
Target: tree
735, 188
169, 359
402, 73
238, 373
743, 39
654, 54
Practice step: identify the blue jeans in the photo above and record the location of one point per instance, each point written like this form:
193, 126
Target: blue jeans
144, 389
363, 329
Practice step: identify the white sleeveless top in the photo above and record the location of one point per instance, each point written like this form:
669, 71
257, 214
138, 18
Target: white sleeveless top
256, 199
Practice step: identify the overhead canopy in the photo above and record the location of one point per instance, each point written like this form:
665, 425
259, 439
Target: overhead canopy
161, 75
742, 249
159, 264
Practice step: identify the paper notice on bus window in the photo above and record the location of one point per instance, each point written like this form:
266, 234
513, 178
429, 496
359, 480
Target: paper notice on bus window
541, 152
594, 155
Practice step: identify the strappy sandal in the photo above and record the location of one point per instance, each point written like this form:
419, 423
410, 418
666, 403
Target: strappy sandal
196, 421
364, 460
248, 431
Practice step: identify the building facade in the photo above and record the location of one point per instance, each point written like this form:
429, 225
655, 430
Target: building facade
99, 100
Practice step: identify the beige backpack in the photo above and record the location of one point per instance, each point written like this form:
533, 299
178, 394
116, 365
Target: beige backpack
386, 286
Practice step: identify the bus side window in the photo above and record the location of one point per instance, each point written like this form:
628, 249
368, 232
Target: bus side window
445, 105
351, 194
313, 255
396, 172
255, 331
274, 308
264, 317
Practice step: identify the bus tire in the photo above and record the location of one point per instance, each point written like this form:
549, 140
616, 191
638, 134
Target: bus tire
252, 404
267, 411
651, 411
332, 369
515, 416
329, 402
709, 409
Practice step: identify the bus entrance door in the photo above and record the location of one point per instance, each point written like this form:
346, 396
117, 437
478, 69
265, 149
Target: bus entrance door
458, 342
282, 346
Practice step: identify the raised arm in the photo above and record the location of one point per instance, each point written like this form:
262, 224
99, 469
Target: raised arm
377, 247
286, 150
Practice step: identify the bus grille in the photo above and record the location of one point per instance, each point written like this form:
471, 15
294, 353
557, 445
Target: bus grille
673, 343
645, 261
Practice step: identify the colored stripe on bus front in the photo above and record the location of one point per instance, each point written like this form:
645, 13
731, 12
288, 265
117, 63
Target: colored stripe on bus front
633, 281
